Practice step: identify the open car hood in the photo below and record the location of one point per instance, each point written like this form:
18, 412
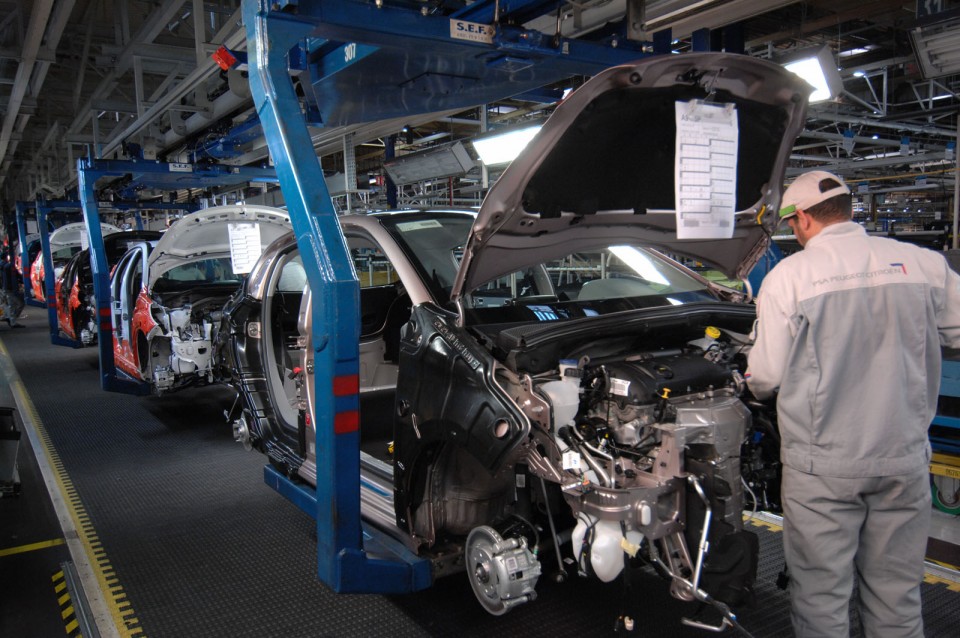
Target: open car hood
602, 167
205, 234
70, 234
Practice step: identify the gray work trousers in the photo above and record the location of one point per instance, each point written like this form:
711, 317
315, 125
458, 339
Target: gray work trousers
878, 526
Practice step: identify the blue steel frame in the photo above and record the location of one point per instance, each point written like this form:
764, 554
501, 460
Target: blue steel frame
341, 560
28, 299
44, 209
151, 174
274, 37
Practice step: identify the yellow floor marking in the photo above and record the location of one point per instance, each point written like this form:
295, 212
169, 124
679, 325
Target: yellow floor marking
74, 504
934, 580
32, 547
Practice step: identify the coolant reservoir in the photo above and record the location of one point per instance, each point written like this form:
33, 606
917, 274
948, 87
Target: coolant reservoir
564, 398
603, 540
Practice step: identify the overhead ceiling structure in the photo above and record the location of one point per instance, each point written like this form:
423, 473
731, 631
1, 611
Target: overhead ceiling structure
130, 78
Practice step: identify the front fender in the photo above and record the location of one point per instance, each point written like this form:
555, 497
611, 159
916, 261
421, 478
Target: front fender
446, 393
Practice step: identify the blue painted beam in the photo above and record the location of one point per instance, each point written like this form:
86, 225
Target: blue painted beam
426, 63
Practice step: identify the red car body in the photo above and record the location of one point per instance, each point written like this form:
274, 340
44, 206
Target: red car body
76, 305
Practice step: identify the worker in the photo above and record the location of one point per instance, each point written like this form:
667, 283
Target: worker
849, 331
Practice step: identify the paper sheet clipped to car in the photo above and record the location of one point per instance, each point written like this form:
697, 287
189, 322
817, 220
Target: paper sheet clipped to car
245, 246
706, 170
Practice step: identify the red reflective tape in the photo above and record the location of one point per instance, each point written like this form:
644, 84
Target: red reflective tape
106, 326
104, 312
346, 422
346, 385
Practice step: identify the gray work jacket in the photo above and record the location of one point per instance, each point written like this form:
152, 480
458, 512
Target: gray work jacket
849, 329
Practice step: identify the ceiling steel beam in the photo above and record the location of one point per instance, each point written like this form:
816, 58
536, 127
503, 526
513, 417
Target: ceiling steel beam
866, 121
39, 18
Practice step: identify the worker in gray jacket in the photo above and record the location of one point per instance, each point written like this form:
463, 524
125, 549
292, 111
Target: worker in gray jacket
849, 330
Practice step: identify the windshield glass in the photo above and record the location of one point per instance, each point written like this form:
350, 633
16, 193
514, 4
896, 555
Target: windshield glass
586, 284
433, 243
583, 284
197, 273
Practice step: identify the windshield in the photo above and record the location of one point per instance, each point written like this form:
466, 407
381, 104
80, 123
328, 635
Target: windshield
197, 273
586, 284
583, 284
433, 243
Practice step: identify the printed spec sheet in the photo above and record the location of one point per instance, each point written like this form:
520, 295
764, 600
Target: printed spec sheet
245, 246
705, 172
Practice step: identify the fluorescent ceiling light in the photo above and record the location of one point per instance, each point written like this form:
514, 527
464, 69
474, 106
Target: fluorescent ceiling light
504, 147
819, 70
938, 48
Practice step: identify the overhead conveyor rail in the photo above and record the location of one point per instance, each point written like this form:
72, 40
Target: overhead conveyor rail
369, 61
147, 174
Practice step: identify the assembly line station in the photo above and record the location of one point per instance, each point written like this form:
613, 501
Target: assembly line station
136, 514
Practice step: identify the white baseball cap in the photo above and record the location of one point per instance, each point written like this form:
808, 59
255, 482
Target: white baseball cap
809, 190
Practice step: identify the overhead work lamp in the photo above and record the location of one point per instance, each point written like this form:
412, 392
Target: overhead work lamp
819, 70
503, 146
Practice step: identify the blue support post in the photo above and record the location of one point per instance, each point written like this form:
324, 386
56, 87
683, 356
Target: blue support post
44, 209
663, 42
700, 40
389, 152
109, 379
733, 38
25, 254
342, 562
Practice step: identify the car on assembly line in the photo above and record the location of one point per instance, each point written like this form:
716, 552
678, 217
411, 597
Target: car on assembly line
65, 242
540, 383
76, 304
166, 299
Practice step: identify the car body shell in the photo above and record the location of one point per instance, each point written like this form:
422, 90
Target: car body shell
166, 298
65, 242
76, 306
543, 365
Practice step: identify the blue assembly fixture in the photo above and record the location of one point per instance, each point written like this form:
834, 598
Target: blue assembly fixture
364, 61
22, 208
145, 174
44, 209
